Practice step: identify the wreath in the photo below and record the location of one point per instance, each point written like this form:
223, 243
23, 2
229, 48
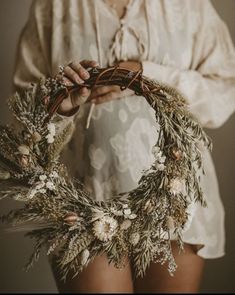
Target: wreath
61, 215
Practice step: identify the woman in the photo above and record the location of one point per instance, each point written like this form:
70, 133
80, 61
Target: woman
183, 43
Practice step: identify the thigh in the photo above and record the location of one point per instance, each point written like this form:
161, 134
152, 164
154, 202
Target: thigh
98, 277
185, 280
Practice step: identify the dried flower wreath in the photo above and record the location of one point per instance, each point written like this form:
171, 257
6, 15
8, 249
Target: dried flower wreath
58, 212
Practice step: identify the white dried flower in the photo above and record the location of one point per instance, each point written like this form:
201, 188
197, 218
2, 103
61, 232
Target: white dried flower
125, 206
84, 256
51, 128
43, 177
155, 150
50, 185
177, 186
50, 138
23, 149
159, 166
105, 228
134, 238
54, 174
127, 211
132, 216
125, 224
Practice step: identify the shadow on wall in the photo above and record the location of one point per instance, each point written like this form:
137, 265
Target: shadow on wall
14, 248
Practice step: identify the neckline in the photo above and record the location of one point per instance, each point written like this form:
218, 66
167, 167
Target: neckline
114, 13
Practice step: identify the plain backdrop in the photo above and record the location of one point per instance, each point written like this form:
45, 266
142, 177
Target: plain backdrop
15, 249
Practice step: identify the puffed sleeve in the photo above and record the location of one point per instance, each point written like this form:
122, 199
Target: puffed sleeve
209, 85
33, 51
33, 58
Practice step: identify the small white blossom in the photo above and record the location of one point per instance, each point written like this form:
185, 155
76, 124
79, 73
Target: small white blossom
177, 186
84, 257
43, 177
105, 228
50, 138
54, 174
125, 224
51, 128
159, 166
125, 205
127, 211
155, 150
134, 238
132, 216
50, 185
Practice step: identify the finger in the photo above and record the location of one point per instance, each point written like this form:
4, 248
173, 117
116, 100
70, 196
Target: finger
80, 70
80, 97
101, 90
105, 98
72, 75
89, 63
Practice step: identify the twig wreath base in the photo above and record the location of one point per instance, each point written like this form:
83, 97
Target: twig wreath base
60, 214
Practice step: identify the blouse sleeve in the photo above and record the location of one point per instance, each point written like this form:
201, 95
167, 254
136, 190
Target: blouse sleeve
33, 51
209, 85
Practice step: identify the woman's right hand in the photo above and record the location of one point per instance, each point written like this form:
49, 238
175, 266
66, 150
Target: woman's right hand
76, 73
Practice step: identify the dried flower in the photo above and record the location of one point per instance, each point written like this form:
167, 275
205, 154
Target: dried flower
23, 149
50, 185
177, 186
127, 211
24, 161
134, 238
84, 256
43, 177
105, 228
71, 218
36, 137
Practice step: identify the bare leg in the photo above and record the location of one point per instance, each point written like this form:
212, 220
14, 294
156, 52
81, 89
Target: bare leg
97, 277
185, 280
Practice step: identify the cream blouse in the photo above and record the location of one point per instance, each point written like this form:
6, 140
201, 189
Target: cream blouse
180, 42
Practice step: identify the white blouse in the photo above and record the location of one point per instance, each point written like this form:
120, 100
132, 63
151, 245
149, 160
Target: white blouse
180, 42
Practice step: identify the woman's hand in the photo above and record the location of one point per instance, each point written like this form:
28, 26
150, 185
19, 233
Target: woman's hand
76, 73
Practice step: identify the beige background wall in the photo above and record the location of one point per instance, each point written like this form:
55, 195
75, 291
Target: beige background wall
14, 249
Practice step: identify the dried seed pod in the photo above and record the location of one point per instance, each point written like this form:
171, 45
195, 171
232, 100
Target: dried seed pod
177, 154
170, 223
71, 218
24, 161
149, 206
36, 137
